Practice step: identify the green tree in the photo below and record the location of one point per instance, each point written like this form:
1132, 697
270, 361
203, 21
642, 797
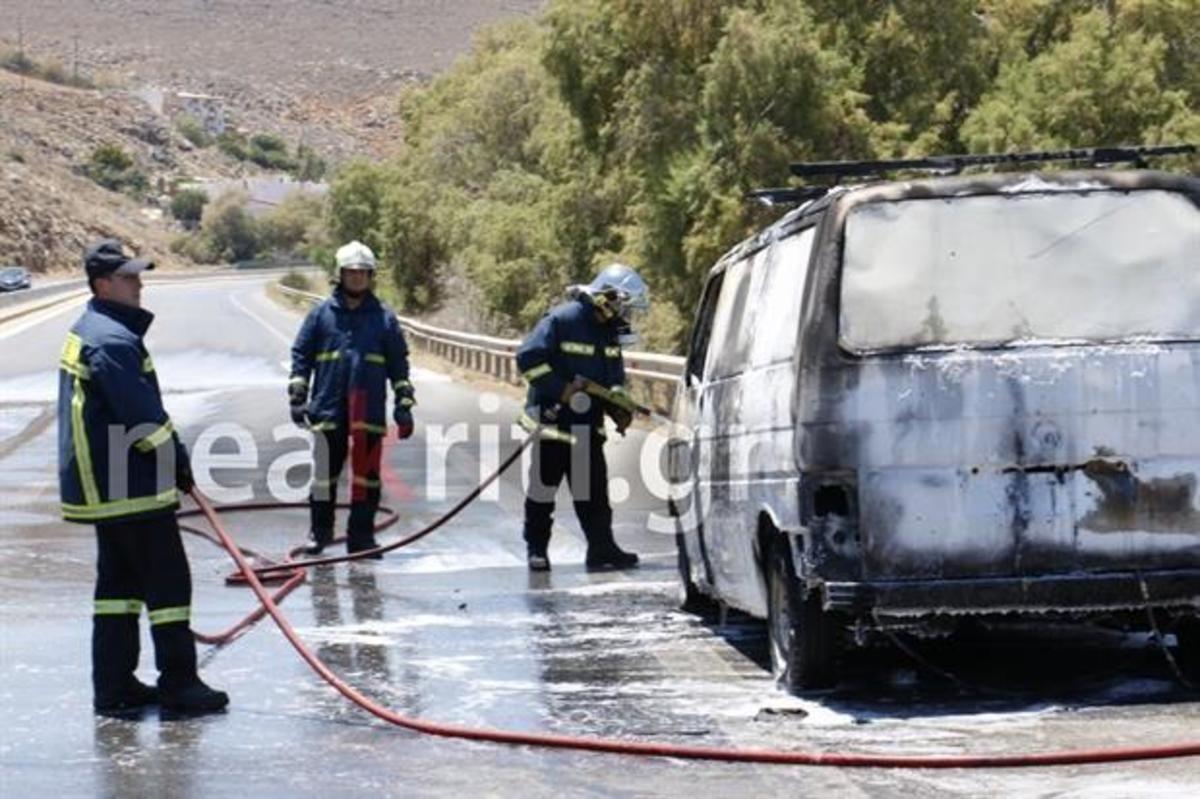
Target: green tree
296, 226
270, 152
412, 246
1100, 85
191, 129
355, 196
233, 144
308, 165
625, 129
114, 169
230, 229
188, 206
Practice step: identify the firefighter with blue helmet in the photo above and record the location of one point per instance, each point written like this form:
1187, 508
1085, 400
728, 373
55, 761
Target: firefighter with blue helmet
574, 348
350, 348
122, 468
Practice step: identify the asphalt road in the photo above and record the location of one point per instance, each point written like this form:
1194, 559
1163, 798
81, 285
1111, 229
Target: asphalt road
454, 629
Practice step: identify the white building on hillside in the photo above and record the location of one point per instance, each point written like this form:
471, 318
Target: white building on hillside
206, 109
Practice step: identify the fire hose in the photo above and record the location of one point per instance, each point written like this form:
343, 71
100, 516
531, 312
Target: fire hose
292, 572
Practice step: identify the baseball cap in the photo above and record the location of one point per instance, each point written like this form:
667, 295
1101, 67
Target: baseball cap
106, 256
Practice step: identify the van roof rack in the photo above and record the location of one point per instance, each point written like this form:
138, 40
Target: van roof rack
788, 195
954, 164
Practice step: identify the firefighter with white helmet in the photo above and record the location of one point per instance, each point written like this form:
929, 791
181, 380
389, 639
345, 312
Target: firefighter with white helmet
348, 351
576, 348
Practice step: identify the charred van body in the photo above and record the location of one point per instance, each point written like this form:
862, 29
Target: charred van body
916, 401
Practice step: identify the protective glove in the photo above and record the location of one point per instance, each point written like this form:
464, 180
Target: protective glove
404, 422
297, 393
621, 417
299, 414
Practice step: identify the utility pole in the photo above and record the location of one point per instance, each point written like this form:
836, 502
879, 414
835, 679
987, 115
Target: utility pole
75, 60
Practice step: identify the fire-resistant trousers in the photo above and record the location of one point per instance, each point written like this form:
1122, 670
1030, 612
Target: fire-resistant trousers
141, 563
586, 470
365, 451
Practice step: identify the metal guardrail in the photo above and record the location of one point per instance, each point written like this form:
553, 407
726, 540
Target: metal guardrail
16, 304
10, 299
652, 377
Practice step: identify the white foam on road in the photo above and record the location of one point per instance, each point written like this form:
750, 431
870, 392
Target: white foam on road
15, 419
421, 375
202, 370
189, 370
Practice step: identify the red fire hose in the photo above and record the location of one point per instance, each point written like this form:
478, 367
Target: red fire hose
251, 576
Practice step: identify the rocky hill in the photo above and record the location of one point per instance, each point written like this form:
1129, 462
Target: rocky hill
322, 71
317, 72
48, 208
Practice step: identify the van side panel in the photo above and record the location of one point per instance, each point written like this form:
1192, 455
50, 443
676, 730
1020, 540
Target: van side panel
746, 433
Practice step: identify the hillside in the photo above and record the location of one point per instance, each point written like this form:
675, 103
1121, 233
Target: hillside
322, 73
317, 70
48, 210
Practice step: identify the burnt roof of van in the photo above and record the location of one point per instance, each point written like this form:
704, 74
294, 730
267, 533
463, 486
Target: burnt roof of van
834, 173
850, 195
955, 164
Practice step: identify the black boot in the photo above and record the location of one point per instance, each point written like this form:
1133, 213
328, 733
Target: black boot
317, 541
115, 645
360, 534
193, 699
360, 542
610, 559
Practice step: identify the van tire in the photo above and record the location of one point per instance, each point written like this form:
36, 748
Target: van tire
692, 599
802, 636
1187, 634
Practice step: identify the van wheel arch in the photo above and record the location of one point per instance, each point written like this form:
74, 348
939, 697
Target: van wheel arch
802, 636
692, 598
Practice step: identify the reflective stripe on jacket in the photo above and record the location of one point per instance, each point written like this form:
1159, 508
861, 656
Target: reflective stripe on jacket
339, 349
112, 428
570, 340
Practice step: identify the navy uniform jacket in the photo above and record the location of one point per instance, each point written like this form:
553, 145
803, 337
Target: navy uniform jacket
568, 341
343, 350
108, 395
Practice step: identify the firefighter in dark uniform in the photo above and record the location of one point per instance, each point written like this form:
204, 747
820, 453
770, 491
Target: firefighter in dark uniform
575, 345
351, 347
121, 468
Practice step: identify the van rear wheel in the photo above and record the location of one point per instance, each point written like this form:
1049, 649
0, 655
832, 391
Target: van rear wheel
803, 637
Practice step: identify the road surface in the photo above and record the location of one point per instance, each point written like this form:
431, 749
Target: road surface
455, 629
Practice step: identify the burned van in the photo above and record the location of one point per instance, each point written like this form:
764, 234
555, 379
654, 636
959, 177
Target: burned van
910, 402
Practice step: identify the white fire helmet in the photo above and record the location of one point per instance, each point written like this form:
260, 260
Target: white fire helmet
355, 255
620, 291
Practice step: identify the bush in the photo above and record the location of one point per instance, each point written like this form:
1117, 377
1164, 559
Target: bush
191, 129
231, 231
233, 144
188, 206
295, 280
270, 152
295, 227
17, 62
309, 166
193, 246
111, 167
52, 71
